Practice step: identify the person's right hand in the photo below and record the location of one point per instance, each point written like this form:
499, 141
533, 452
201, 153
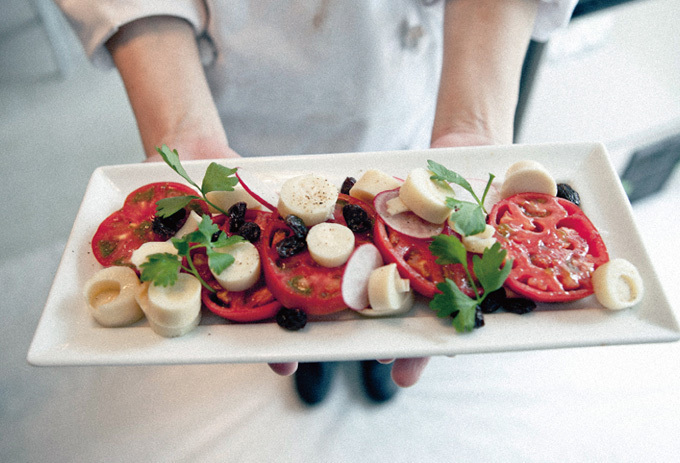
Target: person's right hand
190, 147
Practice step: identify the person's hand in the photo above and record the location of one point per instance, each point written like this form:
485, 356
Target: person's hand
191, 147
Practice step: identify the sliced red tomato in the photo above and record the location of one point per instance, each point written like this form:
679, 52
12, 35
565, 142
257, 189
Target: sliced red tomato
254, 304
554, 246
415, 261
131, 226
299, 282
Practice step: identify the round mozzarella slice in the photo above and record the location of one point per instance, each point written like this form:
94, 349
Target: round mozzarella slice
388, 293
244, 272
172, 310
330, 244
310, 197
528, 176
617, 284
423, 196
141, 254
110, 296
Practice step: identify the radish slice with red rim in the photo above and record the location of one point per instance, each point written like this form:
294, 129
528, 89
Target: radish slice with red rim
361, 263
406, 222
258, 189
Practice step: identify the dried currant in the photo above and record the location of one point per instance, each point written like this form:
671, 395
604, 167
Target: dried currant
291, 319
493, 301
356, 218
347, 185
250, 231
297, 225
237, 216
518, 305
565, 191
290, 246
166, 227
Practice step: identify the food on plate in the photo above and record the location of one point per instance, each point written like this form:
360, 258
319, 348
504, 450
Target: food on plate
425, 197
618, 284
330, 244
554, 246
244, 271
478, 242
172, 310
310, 197
388, 292
316, 250
371, 183
110, 296
528, 176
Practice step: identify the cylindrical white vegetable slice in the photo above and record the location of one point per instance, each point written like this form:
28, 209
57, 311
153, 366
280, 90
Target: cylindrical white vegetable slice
528, 176
244, 272
371, 183
142, 253
190, 225
172, 310
479, 242
388, 293
110, 296
618, 284
310, 197
330, 244
361, 263
424, 197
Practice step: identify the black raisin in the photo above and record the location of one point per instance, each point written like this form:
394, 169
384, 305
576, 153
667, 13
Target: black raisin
250, 231
215, 236
356, 218
518, 305
237, 216
166, 227
493, 301
567, 192
290, 246
297, 225
291, 319
347, 185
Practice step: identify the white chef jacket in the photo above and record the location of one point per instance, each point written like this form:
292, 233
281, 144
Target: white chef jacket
309, 76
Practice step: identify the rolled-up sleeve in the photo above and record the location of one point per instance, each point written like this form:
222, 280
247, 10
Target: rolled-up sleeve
552, 15
95, 22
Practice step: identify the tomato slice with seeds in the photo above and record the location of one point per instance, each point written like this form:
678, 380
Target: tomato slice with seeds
299, 282
254, 304
555, 247
415, 261
125, 230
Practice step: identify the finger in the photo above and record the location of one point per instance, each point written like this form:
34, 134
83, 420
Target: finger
406, 372
284, 369
385, 361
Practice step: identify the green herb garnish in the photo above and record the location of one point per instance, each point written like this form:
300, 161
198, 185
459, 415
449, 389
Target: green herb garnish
489, 268
162, 269
468, 218
216, 178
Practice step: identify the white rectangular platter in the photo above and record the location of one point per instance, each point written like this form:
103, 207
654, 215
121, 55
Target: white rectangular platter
67, 335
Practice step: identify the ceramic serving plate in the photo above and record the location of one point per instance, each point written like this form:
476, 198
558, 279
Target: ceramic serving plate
67, 335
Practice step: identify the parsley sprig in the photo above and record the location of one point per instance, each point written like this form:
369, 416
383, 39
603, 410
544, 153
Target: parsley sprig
490, 269
216, 178
468, 218
162, 269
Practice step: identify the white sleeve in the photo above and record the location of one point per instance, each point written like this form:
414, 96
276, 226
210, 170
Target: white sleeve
552, 15
96, 22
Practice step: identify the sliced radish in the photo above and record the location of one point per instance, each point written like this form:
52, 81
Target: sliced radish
407, 222
478, 185
361, 263
262, 192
